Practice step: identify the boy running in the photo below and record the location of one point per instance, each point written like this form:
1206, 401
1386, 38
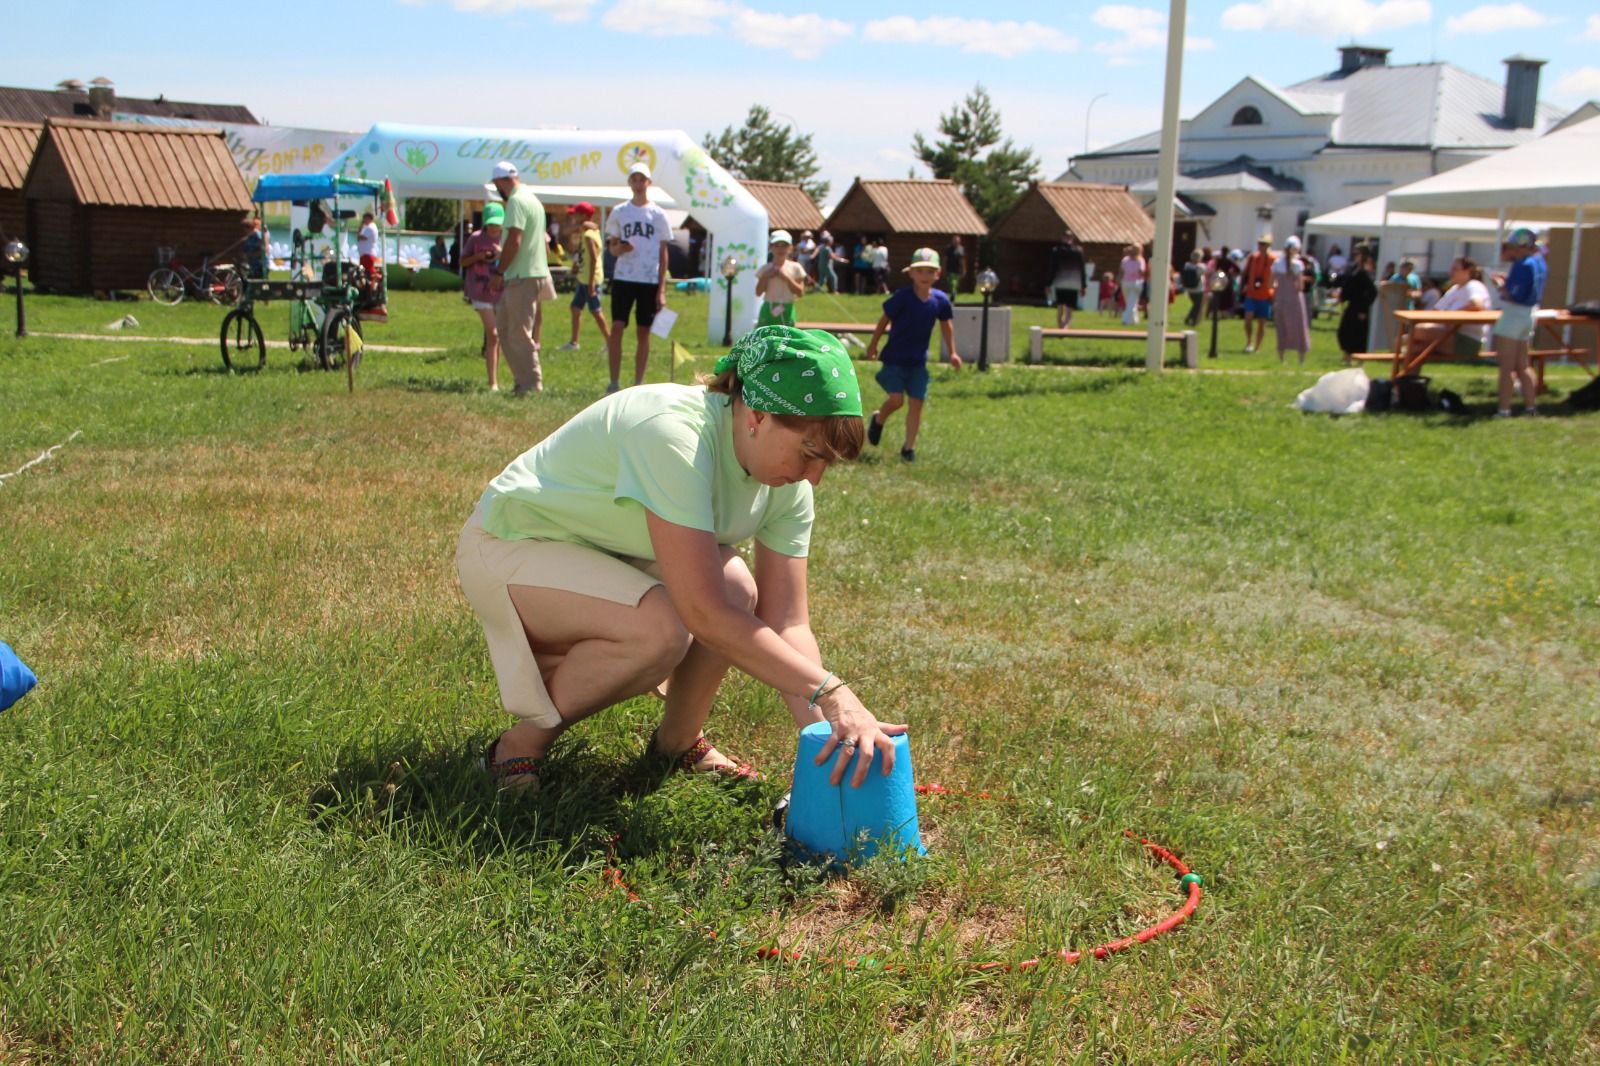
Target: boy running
913, 311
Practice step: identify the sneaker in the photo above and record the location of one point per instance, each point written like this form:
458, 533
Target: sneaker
570, 346
908, 455
874, 429
1503, 413
613, 387
1530, 411
1249, 349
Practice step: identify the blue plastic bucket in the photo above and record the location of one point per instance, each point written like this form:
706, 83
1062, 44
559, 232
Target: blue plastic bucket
852, 823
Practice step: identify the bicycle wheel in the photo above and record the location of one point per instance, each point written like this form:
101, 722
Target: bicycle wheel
244, 349
331, 345
230, 287
165, 286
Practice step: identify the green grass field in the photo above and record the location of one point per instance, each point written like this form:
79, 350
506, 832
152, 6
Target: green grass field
1347, 668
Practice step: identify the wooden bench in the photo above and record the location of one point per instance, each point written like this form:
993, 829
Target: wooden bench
1189, 339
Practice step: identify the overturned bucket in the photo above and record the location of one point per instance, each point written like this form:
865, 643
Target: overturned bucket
847, 823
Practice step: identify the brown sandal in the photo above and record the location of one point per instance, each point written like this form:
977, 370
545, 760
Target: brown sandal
520, 774
687, 760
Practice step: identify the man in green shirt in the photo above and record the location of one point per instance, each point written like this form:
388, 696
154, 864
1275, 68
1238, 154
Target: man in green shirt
524, 273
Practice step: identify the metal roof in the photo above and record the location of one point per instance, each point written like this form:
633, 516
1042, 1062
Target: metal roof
17, 142
1237, 175
36, 105
121, 165
911, 206
1096, 214
788, 206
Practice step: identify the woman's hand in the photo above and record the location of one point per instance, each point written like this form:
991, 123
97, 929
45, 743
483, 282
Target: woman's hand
858, 733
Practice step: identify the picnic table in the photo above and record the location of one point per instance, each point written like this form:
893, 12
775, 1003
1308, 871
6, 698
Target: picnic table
1551, 322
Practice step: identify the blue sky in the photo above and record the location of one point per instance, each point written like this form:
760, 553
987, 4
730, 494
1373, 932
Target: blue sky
861, 77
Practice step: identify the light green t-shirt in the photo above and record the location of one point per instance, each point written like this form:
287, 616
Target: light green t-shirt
665, 448
526, 213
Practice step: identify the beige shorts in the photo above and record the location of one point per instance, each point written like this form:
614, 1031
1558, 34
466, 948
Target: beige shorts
1516, 322
490, 567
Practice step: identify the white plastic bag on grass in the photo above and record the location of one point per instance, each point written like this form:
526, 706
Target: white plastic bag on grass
1342, 392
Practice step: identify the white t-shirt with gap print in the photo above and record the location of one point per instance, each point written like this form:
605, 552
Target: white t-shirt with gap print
644, 228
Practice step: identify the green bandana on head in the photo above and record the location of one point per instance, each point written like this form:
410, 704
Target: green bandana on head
789, 371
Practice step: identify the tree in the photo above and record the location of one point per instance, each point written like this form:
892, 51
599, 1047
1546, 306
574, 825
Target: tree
763, 150
992, 172
428, 214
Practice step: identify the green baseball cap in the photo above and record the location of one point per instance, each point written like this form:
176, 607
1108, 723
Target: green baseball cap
494, 215
922, 257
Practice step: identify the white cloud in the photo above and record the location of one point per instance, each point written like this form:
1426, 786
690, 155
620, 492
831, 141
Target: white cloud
559, 10
1496, 18
1199, 44
667, 18
1140, 27
1585, 81
1593, 32
1003, 39
802, 36
1347, 18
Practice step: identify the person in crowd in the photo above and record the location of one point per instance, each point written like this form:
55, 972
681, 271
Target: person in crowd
439, 254
912, 311
780, 282
1521, 289
253, 250
880, 266
1110, 298
477, 261
371, 269
1231, 263
828, 262
1407, 275
805, 253
1133, 273
587, 275
1358, 292
1066, 277
605, 561
637, 233
524, 275
1192, 278
1292, 323
1337, 261
861, 266
1258, 286
1467, 292
1430, 294
955, 266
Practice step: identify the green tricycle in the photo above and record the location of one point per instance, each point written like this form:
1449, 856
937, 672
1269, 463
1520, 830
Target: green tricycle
326, 306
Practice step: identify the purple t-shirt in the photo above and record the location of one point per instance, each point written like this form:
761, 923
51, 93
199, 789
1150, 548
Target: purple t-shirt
913, 321
477, 283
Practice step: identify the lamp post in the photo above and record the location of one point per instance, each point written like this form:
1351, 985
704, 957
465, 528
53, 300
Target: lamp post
730, 272
16, 255
988, 281
1087, 112
1219, 285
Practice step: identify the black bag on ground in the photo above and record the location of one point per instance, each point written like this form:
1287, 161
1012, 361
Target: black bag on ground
1586, 398
1451, 402
1380, 396
1591, 308
1412, 393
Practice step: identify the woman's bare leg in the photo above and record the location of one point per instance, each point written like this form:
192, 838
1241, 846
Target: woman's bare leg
593, 654
694, 683
491, 347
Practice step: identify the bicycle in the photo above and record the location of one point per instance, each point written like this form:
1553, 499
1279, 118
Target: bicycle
220, 283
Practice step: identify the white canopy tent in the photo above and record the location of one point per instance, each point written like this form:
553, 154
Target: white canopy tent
565, 166
1370, 216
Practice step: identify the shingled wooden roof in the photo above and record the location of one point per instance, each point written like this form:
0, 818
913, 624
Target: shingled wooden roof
123, 165
36, 105
788, 206
1097, 214
17, 142
908, 206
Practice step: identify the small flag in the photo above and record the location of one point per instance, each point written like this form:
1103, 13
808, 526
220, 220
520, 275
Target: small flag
680, 356
352, 353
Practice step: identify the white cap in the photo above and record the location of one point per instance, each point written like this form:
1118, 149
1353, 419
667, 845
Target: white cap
504, 169
1291, 241
639, 168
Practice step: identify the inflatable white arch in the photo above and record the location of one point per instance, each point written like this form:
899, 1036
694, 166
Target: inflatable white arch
565, 166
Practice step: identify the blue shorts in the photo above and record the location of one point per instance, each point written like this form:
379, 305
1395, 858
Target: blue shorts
911, 380
582, 297
1259, 308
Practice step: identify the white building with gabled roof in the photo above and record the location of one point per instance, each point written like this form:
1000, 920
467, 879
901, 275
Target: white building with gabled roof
1263, 159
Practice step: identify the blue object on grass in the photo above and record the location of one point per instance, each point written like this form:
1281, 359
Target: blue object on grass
852, 823
693, 285
15, 677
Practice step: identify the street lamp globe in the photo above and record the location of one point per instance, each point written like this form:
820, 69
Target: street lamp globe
730, 267
16, 252
988, 281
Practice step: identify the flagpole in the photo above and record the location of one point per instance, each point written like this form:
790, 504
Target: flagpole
1166, 182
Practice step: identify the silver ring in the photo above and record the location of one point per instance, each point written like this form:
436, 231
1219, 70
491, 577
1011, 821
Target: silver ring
848, 742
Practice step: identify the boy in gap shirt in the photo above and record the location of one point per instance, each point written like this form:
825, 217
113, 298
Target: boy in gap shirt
913, 311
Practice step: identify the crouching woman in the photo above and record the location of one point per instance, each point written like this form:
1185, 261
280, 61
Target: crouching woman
604, 561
